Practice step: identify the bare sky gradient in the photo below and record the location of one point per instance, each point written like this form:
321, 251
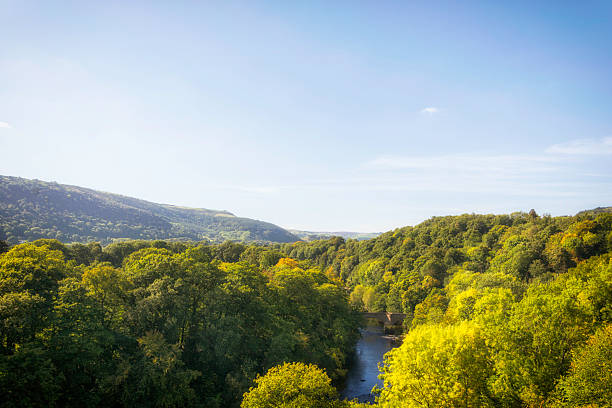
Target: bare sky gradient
361, 116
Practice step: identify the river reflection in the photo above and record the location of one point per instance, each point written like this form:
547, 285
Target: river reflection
363, 375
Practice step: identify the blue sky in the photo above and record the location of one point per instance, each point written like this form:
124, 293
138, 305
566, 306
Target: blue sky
343, 115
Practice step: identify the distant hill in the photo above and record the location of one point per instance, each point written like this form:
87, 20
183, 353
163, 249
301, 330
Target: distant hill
313, 235
595, 211
32, 209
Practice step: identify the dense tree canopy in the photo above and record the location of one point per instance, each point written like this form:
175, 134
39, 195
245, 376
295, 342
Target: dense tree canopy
169, 327
502, 311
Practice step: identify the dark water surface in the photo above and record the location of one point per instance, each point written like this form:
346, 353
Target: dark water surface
363, 375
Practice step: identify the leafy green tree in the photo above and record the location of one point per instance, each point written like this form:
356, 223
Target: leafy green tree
31, 268
431, 310
107, 286
29, 281
356, 297
158, 377
80, 347
514, 258
292, 385
438, 366
21, 317
28, 379
589, 381
533, 347
229, 251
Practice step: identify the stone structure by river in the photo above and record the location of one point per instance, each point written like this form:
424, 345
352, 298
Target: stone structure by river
369, 352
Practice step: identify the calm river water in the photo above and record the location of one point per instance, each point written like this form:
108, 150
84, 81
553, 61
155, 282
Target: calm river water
363, 375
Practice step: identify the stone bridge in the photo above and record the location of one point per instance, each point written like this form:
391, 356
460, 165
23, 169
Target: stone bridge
386, 318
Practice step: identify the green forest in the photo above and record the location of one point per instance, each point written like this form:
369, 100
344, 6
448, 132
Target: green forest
502, 311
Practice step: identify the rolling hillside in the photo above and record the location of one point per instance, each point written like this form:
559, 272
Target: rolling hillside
32, 209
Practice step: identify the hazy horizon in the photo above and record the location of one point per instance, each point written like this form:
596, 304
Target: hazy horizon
352, 116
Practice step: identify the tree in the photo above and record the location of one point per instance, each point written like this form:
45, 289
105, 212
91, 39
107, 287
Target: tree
292, 385
430, 310
438, 366
156, 377
533, 345
589, 381
28, 379
29, 281
32, 268
107, 286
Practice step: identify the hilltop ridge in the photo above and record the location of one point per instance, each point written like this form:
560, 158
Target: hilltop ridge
32, 209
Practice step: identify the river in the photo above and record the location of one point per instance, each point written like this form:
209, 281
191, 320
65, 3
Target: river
363, 374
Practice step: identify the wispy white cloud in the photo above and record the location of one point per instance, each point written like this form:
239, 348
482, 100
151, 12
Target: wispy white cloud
583, 147
434, 182
509, 164
547, 174
4, 125
430, 110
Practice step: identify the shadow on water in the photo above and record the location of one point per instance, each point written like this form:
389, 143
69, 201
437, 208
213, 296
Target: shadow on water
363, 373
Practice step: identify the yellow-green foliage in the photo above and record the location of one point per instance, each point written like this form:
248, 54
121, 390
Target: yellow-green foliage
292, 385
504, 311
438, 366
589, 381
495, 348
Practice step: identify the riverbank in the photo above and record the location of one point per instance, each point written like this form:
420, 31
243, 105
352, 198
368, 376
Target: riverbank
396, 338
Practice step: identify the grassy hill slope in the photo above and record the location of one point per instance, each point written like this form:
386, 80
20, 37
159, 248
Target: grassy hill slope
32, 209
